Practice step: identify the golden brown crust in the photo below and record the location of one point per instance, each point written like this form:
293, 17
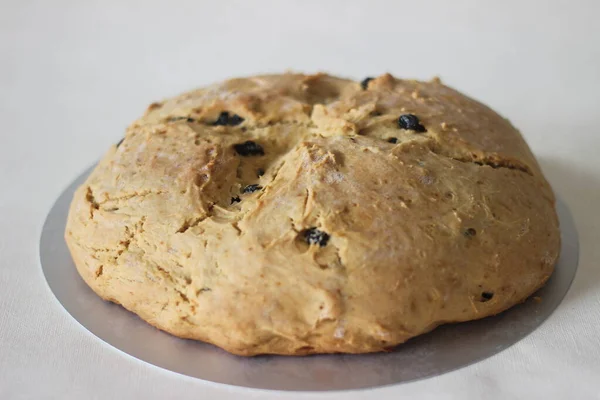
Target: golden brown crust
448, 225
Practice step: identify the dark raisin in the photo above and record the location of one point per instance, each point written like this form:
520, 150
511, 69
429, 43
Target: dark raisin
187, 119
225, 119
260, 172
119, 143
315, 236
486, 296
249, 148
235, 199
410, 122
251, 188
393, 140
235, 120
470, 232
365, 83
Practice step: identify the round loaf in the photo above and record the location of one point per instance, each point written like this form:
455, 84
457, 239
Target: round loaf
297, 214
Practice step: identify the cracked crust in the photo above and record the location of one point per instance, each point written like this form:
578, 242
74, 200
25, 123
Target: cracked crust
449, 225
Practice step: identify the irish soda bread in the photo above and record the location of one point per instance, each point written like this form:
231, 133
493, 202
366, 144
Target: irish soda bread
297, 214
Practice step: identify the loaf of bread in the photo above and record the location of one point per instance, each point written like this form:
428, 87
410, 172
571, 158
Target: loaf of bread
297, 214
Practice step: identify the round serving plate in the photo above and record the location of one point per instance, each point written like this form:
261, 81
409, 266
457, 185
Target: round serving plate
445, 349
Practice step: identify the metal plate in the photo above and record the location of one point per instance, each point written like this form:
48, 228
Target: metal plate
446, 348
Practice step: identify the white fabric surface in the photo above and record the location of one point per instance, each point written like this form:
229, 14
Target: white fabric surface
74, 73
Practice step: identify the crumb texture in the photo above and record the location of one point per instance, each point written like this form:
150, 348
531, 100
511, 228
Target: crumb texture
297, 214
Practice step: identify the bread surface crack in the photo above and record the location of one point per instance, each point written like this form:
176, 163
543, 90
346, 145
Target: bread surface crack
495, 162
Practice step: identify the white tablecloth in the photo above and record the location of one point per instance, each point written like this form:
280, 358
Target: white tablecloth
73, 74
